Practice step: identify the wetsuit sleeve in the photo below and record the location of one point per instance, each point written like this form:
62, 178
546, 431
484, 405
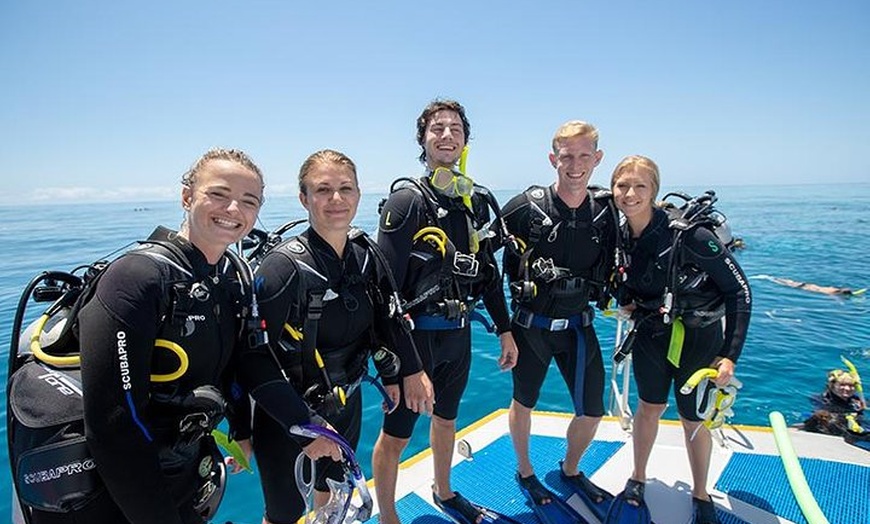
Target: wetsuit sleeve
705, 249
493, 299
238, 404
117, 330
493, 293
400, 220
390, 330
607, 262
277, 291
515, 215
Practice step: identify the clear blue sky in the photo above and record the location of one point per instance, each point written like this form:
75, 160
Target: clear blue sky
115, 99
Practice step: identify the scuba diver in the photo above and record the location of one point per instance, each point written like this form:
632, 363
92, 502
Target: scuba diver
325, 296
435, 233
839, 410
567, 234
690, 303
840, 395
160, 351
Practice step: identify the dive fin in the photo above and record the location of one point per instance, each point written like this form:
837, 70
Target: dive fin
622, 511
557, 511
463, 511
588, 492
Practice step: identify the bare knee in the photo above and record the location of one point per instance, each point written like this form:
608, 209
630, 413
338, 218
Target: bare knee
390, 445
690, 426
442, 424
648, 412
520, 409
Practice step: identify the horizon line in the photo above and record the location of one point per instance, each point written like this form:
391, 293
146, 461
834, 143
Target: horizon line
152, 194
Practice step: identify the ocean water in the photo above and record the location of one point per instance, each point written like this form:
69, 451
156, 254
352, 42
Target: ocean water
807, 233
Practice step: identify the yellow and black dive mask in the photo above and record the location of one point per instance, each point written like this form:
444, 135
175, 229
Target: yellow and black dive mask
451, 183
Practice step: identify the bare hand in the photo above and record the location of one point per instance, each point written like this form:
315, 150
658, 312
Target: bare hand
233, 464
509, 351
322, 447
725, 366
625, 312
394, 394
419, 394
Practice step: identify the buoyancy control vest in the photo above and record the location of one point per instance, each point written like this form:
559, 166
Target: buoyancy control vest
325, 376
689, 294
445, 278
52, 467
541, 275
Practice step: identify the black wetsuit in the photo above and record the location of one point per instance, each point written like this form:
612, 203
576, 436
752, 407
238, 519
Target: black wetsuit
836, 404
834, 415
132, 422
712, 285
576, 243
428, 281
353, 324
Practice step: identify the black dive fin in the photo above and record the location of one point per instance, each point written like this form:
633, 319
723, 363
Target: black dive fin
459, 509
556, 512
580, 484
624, 512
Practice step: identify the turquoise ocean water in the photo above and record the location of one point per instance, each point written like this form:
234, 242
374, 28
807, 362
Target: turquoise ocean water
808, 233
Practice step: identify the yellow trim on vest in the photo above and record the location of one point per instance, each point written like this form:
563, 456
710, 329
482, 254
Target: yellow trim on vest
184, 362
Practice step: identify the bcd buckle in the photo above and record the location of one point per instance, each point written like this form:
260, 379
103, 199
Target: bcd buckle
544, 269
559, 324
465, 265
523, 318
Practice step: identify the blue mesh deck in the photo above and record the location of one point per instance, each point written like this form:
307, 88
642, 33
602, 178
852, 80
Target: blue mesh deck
840, 489
489, 478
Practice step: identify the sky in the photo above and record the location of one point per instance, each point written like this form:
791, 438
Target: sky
114, 100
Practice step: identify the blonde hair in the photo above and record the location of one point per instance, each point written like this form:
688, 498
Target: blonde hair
835, 376
238, 156
324, 156
574, 128
637, 163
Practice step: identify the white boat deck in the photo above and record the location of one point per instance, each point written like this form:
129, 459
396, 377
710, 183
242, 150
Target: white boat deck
668, 489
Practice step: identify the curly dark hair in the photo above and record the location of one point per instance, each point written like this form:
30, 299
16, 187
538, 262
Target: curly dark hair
433, 107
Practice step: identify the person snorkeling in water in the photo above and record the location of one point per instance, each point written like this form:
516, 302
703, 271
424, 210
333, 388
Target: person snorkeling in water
839, 410
827, 290
840, 395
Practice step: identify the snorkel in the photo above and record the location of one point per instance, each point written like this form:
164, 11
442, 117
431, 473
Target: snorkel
463, 161
859, 388
510, 240
713, 404
339, 509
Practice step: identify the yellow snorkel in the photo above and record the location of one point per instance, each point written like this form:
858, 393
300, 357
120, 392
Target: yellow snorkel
474, 240
463, 161
859, 388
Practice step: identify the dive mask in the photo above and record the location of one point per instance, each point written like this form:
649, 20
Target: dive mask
450, 183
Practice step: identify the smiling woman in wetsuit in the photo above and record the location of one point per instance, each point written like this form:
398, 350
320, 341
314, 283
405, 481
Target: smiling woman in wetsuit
710, 287
327, 287
157, 339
